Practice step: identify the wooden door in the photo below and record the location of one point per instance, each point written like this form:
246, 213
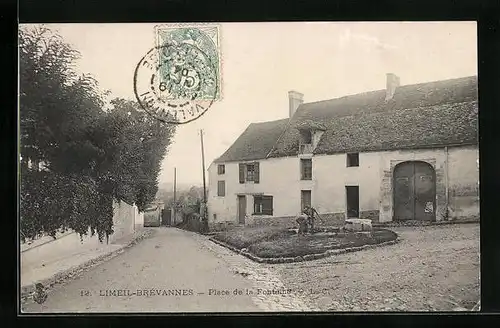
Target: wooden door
242, 208
414, 191
167, 217
352, 199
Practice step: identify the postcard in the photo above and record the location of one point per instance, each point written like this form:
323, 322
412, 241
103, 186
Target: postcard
248, 167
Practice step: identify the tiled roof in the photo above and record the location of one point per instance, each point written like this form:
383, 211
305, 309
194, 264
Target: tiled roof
418, 116
255, 142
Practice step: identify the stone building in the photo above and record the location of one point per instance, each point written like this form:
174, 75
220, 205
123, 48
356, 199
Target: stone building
406, 152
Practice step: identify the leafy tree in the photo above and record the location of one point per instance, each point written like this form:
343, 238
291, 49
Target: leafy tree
90, 155
188, 201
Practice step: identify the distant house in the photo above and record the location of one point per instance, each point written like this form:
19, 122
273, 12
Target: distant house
404, 153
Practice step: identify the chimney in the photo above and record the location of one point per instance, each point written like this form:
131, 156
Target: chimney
392, 84
295, 99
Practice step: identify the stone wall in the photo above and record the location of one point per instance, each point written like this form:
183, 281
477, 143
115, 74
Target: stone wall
123, 220
326, 219
371, 215
463, 179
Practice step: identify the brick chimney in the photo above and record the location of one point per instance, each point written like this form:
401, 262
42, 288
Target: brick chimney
391, 86
295, 99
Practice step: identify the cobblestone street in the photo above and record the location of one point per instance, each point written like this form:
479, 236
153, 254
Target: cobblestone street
170, 262
433, 268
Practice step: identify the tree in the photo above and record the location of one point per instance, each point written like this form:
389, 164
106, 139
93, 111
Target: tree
188, 201
140, 144
91, 156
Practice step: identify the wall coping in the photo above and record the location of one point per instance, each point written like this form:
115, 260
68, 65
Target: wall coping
38, 242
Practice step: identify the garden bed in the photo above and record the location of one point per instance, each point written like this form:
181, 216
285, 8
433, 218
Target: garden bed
279, 245
245, 237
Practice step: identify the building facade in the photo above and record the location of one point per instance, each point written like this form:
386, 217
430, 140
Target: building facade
403, 153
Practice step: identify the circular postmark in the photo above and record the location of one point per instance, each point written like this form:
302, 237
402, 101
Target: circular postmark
176, 82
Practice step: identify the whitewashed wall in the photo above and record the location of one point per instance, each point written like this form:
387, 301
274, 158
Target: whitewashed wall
46, 249
280, 178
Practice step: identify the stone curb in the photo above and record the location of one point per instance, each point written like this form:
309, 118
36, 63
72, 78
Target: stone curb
63, 276
395, 225
309, 257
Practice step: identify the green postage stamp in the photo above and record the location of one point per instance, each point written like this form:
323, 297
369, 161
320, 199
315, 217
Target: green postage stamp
180, 78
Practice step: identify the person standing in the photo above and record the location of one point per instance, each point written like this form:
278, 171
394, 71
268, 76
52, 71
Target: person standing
302, 222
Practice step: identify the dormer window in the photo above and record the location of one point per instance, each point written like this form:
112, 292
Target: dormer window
307, 137
310, 135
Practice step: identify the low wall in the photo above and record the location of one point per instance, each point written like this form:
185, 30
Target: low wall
53, 249
123, 220
325, 219
464, 202
139, 219
47, 249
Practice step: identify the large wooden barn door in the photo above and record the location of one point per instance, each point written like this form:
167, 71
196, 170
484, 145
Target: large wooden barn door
414, 191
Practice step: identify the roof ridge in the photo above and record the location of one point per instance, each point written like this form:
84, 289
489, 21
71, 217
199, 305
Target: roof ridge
383, 90
402, 110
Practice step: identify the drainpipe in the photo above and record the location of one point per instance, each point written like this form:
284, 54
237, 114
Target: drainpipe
447, 198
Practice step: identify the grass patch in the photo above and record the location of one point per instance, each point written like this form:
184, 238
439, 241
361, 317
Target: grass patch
245, 237
270, 242
294, 245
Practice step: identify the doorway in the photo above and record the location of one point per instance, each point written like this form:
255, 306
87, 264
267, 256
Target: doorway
414, 191
352, 200
166, 217
305, 199
242, 208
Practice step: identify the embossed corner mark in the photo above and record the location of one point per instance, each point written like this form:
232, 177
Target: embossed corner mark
179, 79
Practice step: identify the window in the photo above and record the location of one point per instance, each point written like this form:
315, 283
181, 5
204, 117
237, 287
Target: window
305, 198
221, 169
352, 159
263, 205
306, 169
221, 188
307, 137
249, 172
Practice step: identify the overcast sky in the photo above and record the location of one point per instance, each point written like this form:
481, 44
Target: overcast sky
261, 62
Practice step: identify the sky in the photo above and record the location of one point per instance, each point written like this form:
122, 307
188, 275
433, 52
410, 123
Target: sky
261, 62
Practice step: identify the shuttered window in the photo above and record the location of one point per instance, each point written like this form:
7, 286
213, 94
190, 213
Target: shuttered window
242, 168
256, 177
221, 188
263, 205
249, 172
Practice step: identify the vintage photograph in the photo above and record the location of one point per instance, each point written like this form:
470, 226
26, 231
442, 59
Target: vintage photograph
248, 167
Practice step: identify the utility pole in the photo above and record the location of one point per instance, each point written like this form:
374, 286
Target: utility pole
204, 214
174, 206
175, 183
203, 168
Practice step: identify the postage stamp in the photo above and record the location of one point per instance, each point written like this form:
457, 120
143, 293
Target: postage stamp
179, 79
